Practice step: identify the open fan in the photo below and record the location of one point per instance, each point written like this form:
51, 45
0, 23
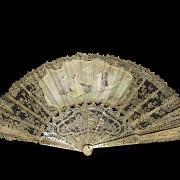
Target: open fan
89, 101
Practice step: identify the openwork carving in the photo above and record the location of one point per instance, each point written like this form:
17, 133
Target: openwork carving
89, 101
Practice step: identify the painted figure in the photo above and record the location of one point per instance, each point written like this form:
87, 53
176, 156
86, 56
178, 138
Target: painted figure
102, 81
76, 89
64, 84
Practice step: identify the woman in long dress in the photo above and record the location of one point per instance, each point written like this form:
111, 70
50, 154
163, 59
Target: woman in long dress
76, 89
102, 82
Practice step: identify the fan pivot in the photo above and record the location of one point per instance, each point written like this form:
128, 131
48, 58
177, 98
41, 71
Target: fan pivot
87, 150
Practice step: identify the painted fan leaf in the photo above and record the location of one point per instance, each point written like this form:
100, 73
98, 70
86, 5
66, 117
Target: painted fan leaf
89, 101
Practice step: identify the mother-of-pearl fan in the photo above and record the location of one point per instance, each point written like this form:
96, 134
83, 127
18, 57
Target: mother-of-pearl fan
89, 101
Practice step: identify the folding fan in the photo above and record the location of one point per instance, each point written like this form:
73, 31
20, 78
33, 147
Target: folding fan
90, 101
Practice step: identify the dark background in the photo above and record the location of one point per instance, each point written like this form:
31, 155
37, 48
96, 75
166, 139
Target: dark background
25, 45
131, 158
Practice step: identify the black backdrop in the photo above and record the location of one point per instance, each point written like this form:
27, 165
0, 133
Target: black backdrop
135, 158
21, 51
